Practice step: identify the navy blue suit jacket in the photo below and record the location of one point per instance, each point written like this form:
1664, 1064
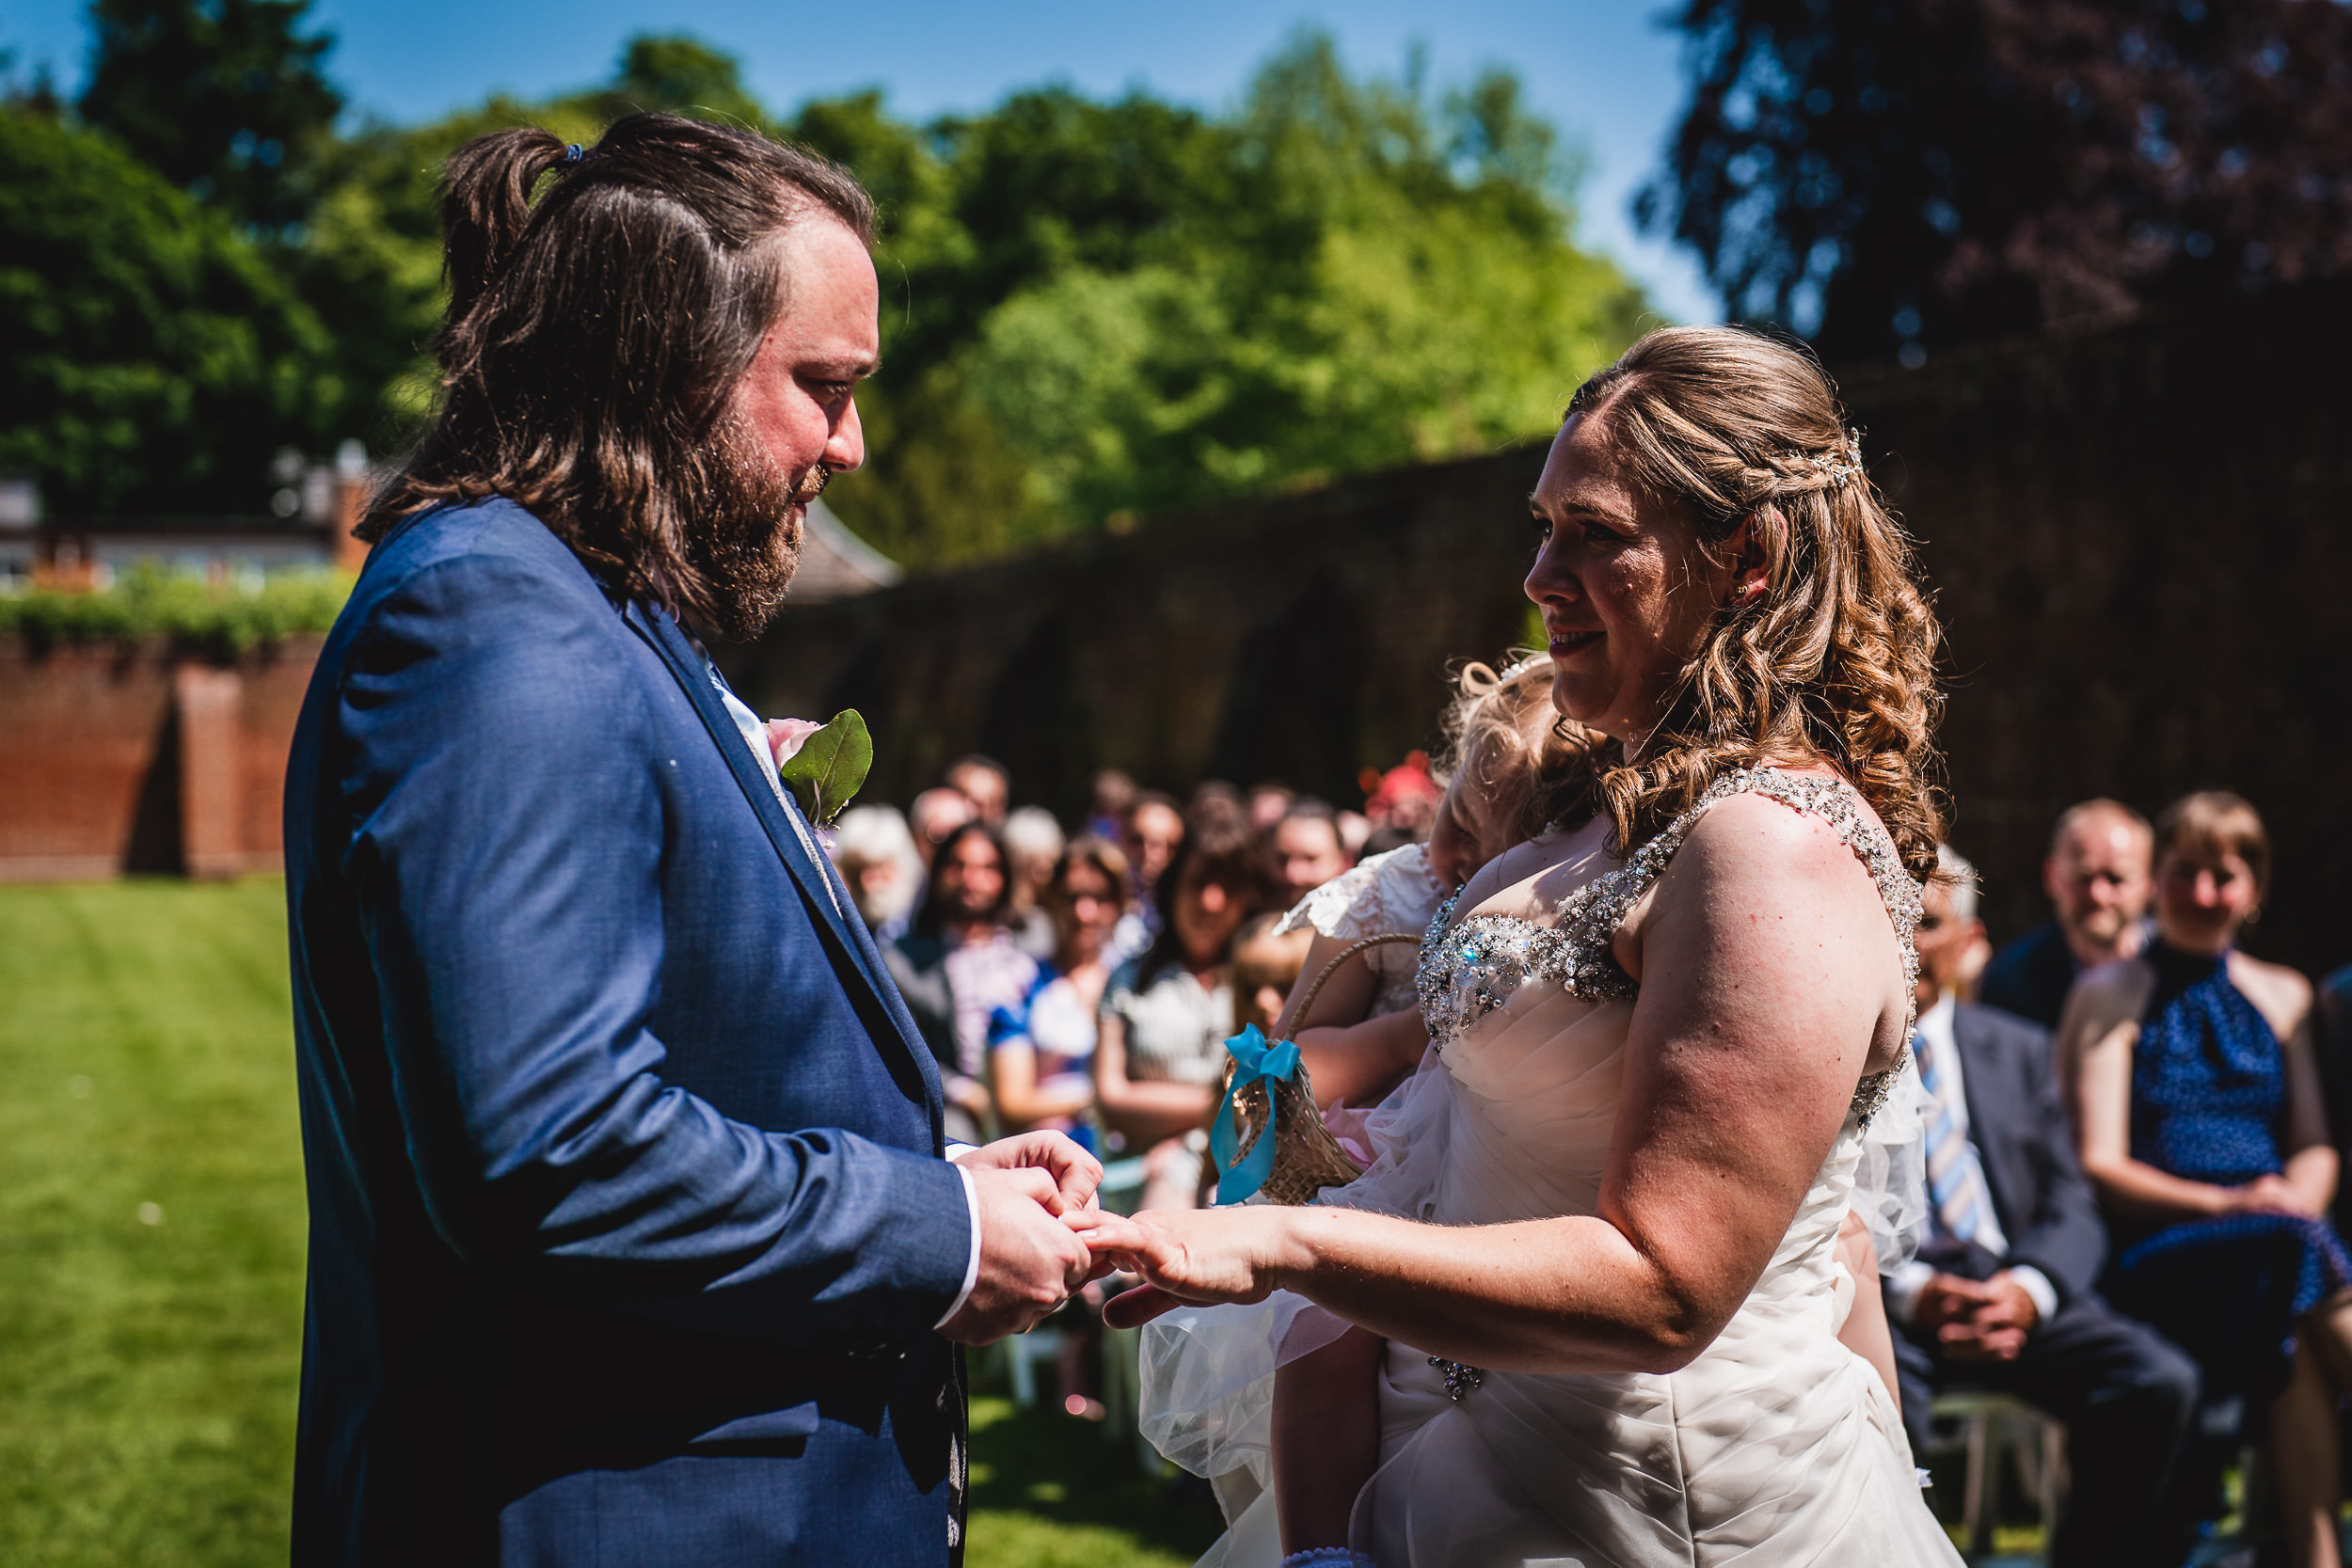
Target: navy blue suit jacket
629, 1225
2027, 1147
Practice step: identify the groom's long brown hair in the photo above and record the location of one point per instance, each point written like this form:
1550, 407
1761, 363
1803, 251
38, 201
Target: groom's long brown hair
594, 343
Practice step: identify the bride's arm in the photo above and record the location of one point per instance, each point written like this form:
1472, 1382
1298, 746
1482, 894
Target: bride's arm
1768, 971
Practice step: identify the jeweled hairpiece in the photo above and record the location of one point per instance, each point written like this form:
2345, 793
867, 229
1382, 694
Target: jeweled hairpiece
1840, 467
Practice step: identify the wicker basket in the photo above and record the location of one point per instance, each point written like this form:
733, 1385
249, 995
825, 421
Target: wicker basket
1307, 1158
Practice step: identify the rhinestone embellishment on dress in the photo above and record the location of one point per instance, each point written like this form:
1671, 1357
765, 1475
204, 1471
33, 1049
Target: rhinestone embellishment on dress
1459, 1379
1469, 970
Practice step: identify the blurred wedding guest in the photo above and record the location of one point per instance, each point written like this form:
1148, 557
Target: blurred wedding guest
1151, 834
1215, 796
2000, 1295
874, 850
1112, 797
984, 782
2331, 1038
1405, 796
1152, 831
1305, 849
1266, 962
2096, 876
1356, 831
2200, 1116
1033, 845
937, 813
1268, 802
956, 963
1161, 1052
1041, 1051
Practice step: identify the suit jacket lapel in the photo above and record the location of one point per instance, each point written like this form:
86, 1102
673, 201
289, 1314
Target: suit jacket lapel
826, 897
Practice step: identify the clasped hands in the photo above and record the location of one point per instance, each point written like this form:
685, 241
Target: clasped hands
1043, 1237
1976, 1320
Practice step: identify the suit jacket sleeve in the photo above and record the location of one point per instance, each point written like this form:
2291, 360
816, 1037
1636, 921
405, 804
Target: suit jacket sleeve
2063, 1237
506, 827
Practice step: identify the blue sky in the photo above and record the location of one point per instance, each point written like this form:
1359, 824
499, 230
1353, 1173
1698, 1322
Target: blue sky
1604, 71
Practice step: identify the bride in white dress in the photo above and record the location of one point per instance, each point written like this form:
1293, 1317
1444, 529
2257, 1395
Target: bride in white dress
1600, 1235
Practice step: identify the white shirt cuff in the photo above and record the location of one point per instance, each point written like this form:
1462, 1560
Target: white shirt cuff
1903, 1289
972, 1259
2036, 1285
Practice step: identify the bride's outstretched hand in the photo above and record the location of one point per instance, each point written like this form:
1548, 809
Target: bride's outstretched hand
1190, 1255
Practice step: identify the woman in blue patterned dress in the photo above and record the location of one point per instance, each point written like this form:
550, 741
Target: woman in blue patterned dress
2199, 1106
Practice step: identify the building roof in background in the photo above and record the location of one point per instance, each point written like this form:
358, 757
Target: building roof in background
836, 564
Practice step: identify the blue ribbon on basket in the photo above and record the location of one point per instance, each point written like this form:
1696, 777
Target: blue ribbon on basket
1256, 1060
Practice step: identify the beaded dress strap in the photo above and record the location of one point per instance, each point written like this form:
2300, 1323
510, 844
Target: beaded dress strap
1472, 969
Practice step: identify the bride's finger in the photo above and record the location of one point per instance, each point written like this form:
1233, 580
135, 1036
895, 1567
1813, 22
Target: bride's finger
1106, 1232
1135, 1308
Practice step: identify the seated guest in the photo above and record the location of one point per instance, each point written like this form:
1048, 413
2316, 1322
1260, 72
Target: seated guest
874, 850
1405, 796
2000, 1296
1153, 828
1033, 846
2331, 1037
1266, 961
1041, 1053
1306, 851
983, 782
1160, 1057
1268, 802
937, 813
956, 963
1109, 801
2096, 876
2200, 1121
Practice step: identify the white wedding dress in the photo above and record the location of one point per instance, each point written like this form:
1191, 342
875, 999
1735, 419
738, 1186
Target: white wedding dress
1776, 1445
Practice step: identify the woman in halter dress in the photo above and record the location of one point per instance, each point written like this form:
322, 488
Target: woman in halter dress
1600, 1234
2203, 1122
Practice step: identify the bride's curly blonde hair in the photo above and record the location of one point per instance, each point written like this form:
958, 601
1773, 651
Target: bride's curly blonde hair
1835, 659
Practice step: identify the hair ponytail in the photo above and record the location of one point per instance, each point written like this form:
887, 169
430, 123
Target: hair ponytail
485, 205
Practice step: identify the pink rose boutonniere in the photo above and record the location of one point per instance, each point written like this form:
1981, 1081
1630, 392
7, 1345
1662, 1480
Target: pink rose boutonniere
822, 764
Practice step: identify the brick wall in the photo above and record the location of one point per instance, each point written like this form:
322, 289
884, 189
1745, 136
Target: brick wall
2137, 538
118, 759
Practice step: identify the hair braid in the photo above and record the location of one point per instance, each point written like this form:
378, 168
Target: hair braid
1836, 659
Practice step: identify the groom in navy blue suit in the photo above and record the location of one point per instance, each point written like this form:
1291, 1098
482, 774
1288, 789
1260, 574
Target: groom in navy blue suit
631, 1239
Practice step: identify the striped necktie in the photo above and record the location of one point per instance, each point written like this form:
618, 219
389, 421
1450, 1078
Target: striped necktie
1963, 1211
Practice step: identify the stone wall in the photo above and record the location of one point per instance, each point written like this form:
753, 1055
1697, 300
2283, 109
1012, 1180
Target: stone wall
2137, 538
117, 759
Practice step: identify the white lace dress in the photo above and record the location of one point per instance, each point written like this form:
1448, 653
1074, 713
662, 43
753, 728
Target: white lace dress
1776, 1445
1394, 894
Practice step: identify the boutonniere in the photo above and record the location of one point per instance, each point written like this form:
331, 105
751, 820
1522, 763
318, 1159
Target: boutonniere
822, 764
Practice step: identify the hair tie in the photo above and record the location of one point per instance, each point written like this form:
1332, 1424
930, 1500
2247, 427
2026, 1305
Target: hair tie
573, 153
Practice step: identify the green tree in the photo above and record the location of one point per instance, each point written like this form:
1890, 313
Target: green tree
150, 358
1129, 305
228, 99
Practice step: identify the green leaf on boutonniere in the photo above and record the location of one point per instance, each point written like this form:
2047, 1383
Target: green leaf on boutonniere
826, 773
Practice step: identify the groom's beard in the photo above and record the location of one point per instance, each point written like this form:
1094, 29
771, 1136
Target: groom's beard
748, 543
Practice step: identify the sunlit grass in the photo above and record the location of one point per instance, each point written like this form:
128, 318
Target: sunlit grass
151, 1227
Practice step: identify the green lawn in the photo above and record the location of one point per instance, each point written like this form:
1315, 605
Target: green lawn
150, 1260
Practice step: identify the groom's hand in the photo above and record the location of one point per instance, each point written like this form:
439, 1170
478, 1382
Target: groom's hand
1030, 1260
1076, 1174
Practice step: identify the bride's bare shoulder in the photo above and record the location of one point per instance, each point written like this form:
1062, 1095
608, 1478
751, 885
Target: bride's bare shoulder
1754, 838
